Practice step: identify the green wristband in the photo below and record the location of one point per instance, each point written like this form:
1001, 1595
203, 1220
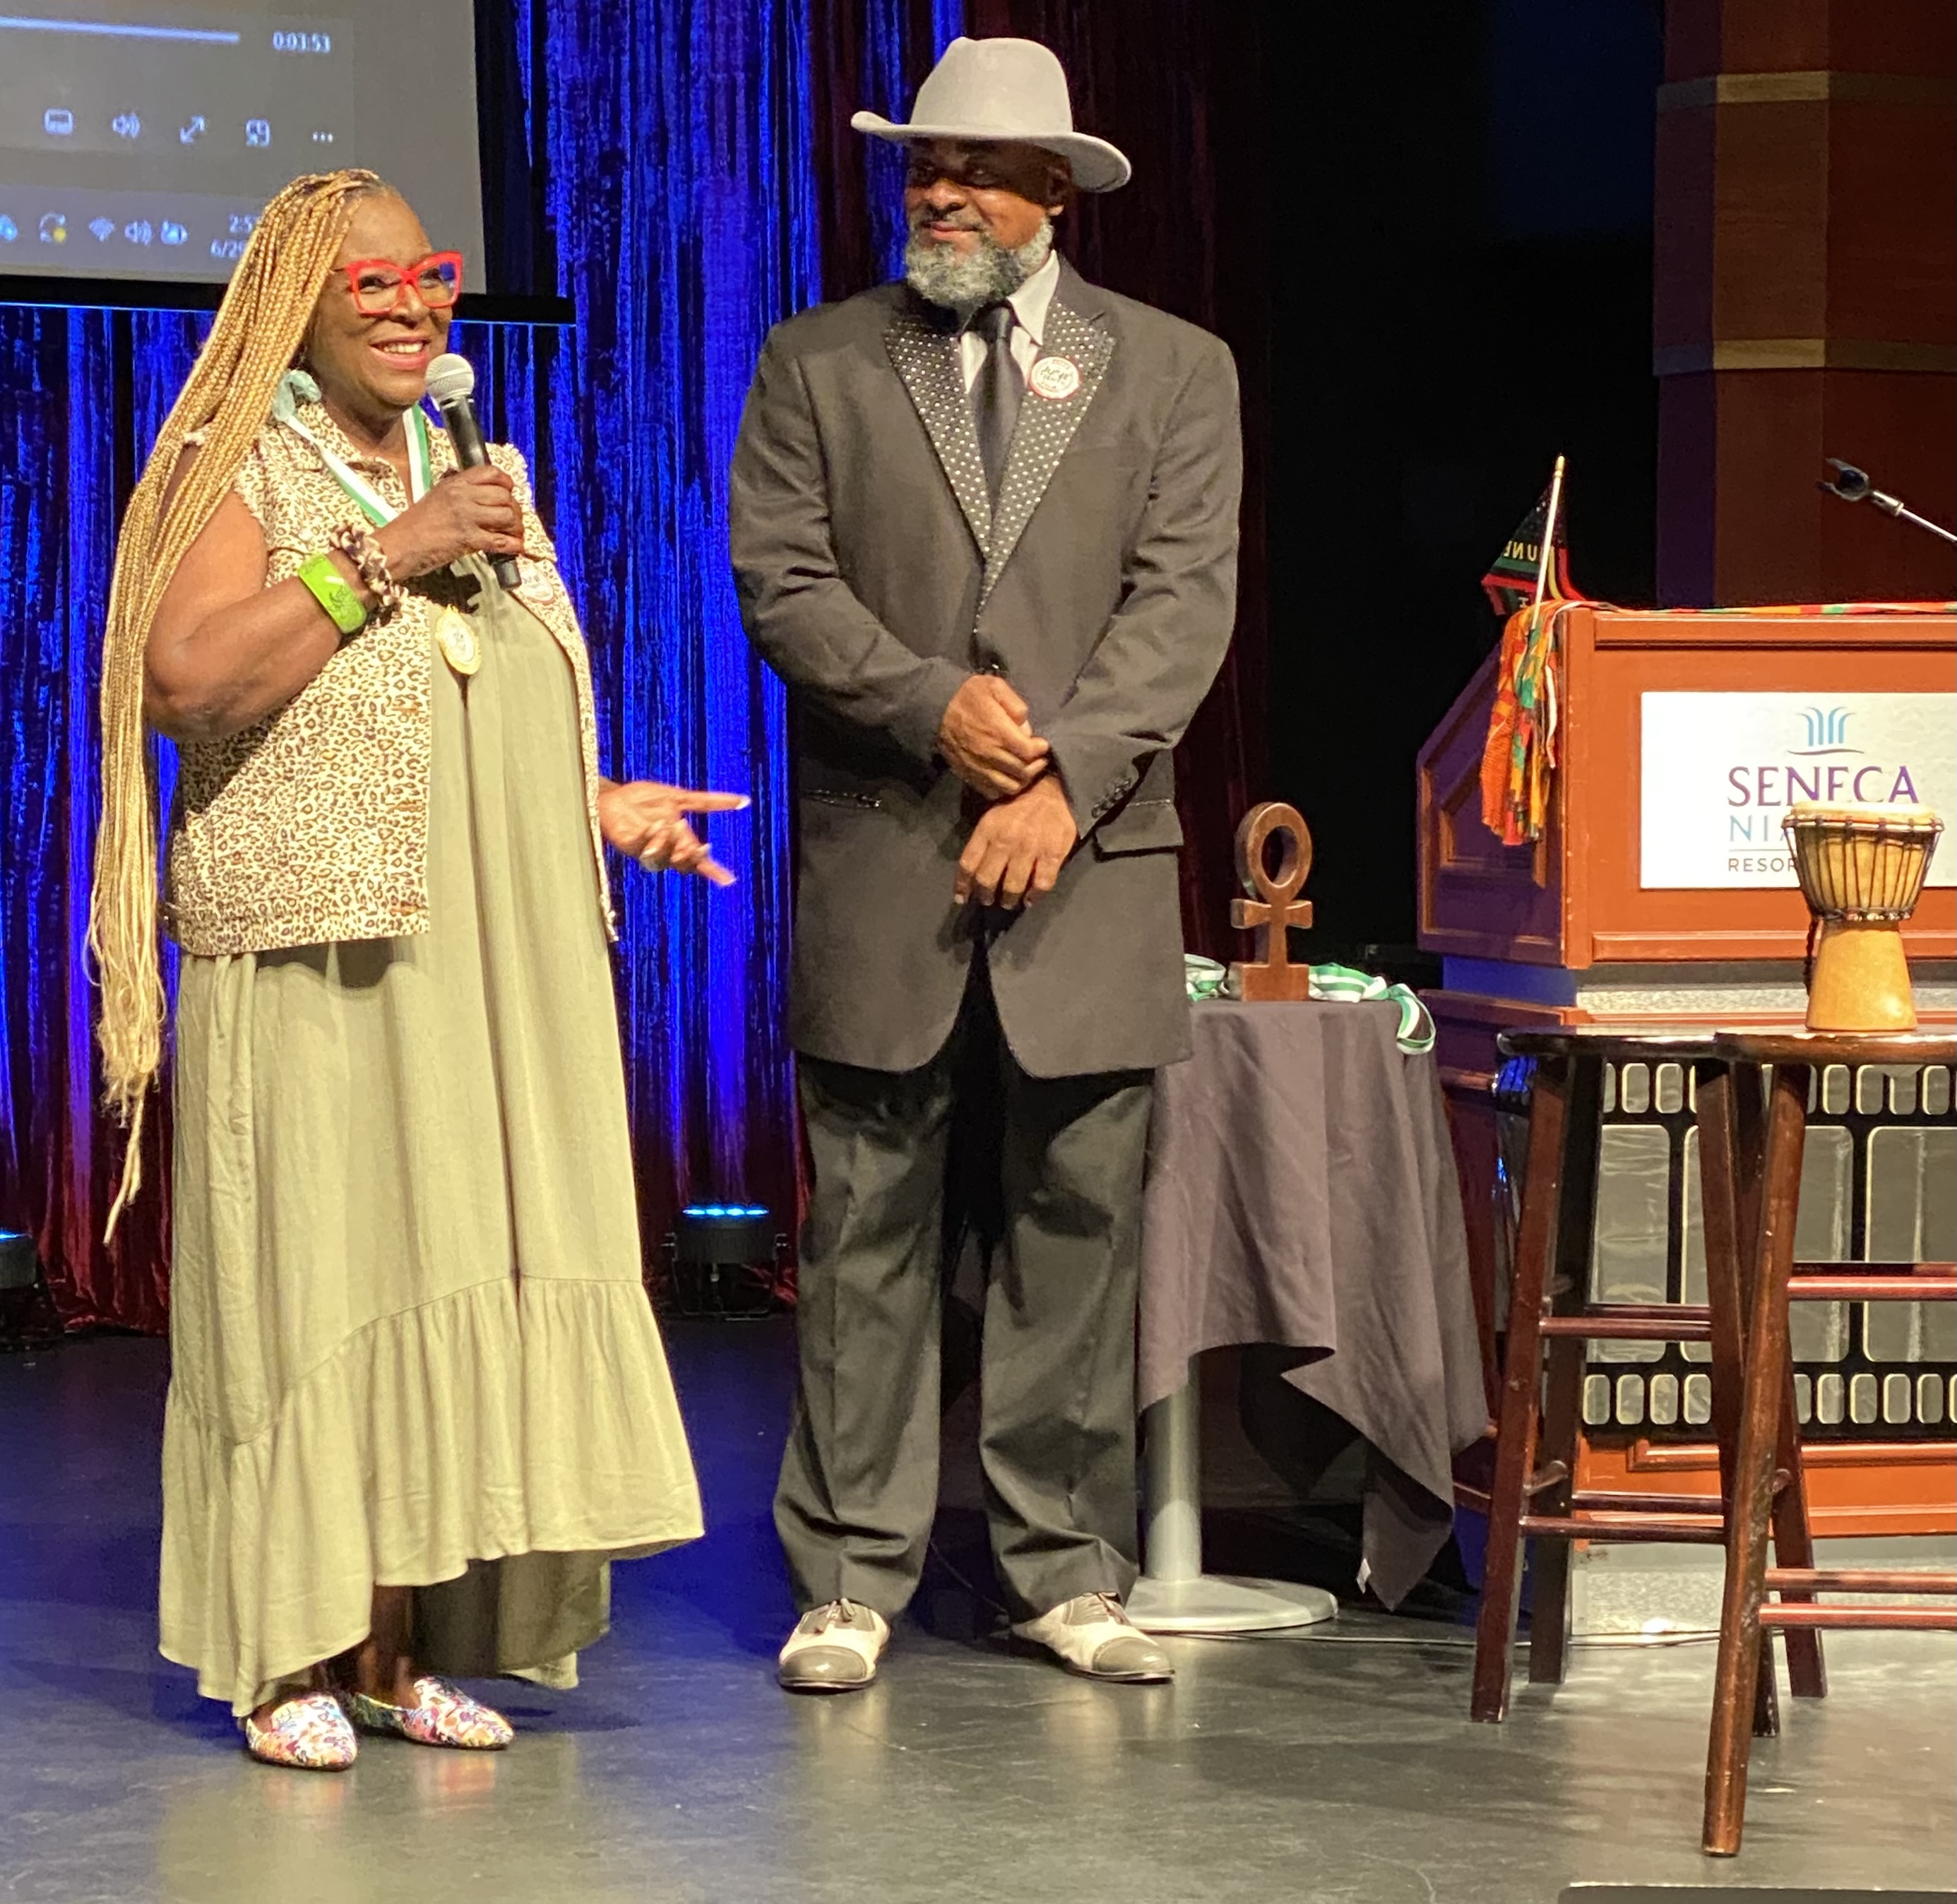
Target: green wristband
331, 590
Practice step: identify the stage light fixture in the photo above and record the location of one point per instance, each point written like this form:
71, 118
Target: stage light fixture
27, 1318
710, 1233
721, 1261
20, 1267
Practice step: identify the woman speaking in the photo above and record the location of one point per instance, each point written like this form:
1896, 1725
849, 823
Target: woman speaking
418, 1399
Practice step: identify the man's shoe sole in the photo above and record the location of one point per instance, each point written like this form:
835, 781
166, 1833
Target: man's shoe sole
1041, 1650
823, 1685
1112, 1678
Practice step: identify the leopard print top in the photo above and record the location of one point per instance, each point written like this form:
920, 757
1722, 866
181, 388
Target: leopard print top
312, 826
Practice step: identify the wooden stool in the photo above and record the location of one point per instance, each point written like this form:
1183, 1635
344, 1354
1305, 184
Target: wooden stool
1549, 1305
1764, 1176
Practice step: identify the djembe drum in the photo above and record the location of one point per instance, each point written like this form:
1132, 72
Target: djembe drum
1861, 871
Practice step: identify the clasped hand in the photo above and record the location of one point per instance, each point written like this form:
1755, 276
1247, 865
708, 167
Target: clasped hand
1022, 840
986, 741
1017, 849
644, 819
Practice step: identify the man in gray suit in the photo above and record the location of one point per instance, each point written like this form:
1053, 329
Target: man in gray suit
984, 526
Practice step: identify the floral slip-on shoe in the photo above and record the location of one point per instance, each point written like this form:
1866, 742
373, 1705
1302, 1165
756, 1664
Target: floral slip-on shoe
310, 1733
443, 1715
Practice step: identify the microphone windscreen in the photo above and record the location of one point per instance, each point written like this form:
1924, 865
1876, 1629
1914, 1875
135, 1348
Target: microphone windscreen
450, 379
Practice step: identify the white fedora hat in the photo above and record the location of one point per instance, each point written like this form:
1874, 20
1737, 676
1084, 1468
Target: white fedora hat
1003, 90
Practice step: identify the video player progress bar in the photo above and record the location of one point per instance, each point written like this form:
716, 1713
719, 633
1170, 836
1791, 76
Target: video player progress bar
117, 30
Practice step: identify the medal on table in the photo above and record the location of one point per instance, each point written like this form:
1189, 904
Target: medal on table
461, 647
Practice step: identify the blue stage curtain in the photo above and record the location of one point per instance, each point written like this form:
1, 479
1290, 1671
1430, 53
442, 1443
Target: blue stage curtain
896, 55
872, 54
676, 145
681, 148
81, 394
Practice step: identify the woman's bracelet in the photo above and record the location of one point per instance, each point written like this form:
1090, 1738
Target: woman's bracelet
360, 546
329, 589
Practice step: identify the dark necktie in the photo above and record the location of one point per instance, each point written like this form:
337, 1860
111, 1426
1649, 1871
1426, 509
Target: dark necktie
996, 394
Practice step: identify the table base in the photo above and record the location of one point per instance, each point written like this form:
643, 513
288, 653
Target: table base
1218, 1603
1173, 1594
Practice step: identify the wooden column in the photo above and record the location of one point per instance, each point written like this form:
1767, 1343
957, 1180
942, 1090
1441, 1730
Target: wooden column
1806, 299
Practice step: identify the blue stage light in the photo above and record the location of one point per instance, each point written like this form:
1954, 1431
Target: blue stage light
721, 1261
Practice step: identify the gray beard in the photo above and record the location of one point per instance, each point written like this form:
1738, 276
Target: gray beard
963, 282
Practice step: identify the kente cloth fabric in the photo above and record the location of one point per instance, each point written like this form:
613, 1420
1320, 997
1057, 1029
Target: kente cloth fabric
410, 1345
1518, 761
1829, 608
1301, 1192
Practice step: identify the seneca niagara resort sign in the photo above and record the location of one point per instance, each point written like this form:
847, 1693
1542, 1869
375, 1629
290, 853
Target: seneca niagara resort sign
1720, 770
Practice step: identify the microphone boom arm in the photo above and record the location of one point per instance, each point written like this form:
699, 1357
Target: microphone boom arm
1853, 485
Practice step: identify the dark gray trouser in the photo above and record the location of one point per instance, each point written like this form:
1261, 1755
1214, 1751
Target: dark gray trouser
858, 1486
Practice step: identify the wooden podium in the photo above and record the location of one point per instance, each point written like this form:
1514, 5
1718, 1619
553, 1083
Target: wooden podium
1581, 927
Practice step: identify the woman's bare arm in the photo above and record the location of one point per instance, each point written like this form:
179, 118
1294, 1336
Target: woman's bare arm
226, 651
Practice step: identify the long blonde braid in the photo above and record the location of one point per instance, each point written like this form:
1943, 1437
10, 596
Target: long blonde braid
259, 329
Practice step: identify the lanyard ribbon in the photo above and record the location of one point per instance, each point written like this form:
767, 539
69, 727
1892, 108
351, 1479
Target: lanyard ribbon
1416, 1031
373, 504
1204, 979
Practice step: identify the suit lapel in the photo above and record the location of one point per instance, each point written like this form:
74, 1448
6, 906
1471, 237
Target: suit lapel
926, 358
1046, 425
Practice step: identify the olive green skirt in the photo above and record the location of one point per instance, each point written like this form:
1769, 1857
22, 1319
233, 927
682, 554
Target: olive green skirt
410, 1344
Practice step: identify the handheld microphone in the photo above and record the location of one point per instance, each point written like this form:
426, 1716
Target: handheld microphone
451, 382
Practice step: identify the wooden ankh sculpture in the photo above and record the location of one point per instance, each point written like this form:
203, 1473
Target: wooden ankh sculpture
1271, 974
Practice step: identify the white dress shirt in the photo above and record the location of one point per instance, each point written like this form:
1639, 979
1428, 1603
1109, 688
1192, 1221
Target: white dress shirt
1030, 303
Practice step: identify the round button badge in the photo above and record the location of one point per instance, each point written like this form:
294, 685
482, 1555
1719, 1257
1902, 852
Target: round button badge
1055, 378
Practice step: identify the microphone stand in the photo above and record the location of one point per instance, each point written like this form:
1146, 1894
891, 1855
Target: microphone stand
1853, 485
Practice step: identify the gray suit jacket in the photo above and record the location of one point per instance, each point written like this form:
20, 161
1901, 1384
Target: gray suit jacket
875, 577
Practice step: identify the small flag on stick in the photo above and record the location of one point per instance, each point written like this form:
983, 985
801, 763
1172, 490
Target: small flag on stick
1518, 576
1528, 582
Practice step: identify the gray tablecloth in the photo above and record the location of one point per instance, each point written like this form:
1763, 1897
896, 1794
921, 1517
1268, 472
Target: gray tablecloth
1301, 1191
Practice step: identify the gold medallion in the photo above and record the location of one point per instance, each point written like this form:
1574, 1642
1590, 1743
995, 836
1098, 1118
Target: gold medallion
460, 646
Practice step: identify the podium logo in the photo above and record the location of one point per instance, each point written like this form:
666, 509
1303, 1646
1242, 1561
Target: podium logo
1718, 770
1827, 731
1764, 789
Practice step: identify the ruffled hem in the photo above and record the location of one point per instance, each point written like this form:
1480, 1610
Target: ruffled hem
530, 1417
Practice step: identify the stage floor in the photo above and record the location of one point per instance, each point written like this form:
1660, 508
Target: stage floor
1338, 1765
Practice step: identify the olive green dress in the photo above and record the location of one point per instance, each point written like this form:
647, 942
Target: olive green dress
410, 1343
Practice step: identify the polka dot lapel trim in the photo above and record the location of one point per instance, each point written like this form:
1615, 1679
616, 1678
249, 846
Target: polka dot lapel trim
1046, 426
928, 360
